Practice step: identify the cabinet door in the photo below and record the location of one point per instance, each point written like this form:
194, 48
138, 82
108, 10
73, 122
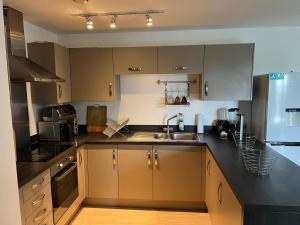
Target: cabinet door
81, 172
62, 67
228, 72
135, 172
139, 60
92, 74
177, 173
180, 59
230, 208
102, 171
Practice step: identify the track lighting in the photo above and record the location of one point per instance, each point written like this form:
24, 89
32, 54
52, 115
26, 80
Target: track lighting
113, 22
149, 20
89, 23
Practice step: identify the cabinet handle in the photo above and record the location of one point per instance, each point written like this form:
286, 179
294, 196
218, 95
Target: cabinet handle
208, 167
59, 91
149, 158
135, 69
114, 158
156, 158
220, 193
110, 89
40, 200
181, 68
206, 88
80, 158
34, 186
40, 215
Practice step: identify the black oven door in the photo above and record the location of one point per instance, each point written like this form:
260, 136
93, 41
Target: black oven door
64, 187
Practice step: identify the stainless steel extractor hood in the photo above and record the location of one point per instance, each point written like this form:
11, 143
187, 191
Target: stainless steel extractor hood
22, 69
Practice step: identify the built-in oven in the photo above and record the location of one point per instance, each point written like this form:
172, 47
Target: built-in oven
64, 185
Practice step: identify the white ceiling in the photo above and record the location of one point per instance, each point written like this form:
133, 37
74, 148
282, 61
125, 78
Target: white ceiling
55, 15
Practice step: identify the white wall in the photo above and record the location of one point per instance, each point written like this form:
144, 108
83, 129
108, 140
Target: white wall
142, 100
9, 195
276, 49
35, 33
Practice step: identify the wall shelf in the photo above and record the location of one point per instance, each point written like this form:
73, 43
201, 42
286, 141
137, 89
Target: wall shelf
169, 100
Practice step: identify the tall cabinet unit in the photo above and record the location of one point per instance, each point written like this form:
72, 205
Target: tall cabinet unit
54, 58
228, 72
92, 75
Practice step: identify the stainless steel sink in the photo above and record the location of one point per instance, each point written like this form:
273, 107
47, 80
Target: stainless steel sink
160, 136
183, 136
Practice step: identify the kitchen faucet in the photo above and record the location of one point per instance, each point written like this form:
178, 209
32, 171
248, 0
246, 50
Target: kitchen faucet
168, 124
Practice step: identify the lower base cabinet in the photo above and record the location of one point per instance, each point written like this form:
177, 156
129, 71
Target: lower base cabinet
135, 172
145, 176
223, 206
177, 173
102, 165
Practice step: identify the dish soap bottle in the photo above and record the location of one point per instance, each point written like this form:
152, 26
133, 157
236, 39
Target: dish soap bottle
180, 122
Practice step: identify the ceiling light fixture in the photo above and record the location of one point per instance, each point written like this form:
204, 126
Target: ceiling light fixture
88, 16
89, 23
149, 20
113, 22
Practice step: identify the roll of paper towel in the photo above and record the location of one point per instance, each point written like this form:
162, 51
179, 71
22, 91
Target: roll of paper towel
199, 123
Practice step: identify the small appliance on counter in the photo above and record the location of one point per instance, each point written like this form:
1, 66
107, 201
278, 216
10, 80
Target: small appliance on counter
227, 122
58, 123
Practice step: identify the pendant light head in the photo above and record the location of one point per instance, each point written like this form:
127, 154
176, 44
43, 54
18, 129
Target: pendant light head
89, 23
113, 24
149, 20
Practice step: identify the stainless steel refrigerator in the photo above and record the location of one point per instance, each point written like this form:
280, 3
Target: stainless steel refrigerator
276, 112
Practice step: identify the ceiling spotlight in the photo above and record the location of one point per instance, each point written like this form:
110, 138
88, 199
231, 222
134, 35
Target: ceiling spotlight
149, 20
113, 22
89, 23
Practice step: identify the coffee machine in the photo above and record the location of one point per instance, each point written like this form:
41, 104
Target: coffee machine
227, 122
58, 123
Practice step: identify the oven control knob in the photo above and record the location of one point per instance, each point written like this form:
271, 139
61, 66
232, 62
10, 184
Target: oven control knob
71, 158
60, 165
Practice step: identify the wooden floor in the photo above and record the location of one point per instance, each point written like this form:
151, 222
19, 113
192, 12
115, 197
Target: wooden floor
100, 216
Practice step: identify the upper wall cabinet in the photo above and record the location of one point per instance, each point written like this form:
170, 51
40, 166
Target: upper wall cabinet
180, 59
92, 74
140, 60
228, 72
54, 58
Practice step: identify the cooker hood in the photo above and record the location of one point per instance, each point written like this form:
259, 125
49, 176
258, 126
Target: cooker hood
22, 69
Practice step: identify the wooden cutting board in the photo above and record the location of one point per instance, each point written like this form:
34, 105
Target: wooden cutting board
96, 118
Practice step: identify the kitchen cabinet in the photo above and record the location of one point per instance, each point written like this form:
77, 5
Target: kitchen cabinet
81, 162
181, 59
102, 164
135, 172
54, 58
138, 60
36, 201
223, 206
92, 75
177, 173
228, 72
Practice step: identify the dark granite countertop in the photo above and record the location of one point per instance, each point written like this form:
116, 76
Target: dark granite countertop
280, 189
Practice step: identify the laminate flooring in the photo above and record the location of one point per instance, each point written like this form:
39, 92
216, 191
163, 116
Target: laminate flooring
105, 216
